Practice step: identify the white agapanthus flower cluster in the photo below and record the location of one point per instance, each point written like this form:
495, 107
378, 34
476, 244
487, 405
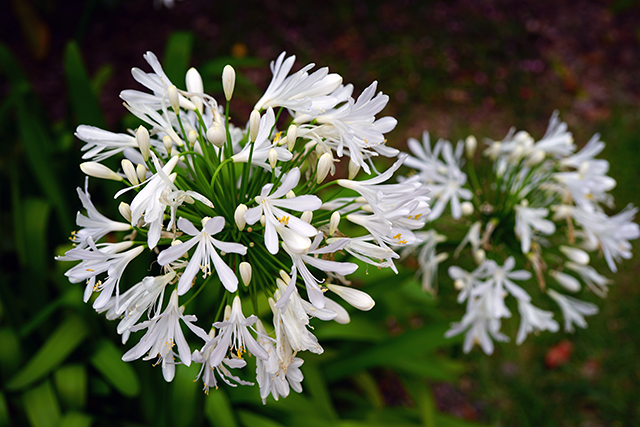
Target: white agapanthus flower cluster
226, 218
522, 225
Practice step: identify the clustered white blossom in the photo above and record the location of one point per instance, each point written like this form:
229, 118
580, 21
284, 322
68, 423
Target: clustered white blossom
226, 218
533, 213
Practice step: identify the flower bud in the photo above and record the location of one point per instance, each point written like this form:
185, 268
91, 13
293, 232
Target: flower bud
353, 169
342, 316
254, 125
576, 255
125, 211
458, 284
290, 194
216, 134
228, 81
479, 256
273, 157
307, 216
245, 272
194, 81
568, 282
99, 170
129, 171
324, 165
168, 144
358, 299
334, 222
192, 137
292, 135
470, 145
174, 98
263, 220
534, 158
239, 216
141, 170
144, 143
466, 208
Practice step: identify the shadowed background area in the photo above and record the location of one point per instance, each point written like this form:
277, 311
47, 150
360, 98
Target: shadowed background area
453, 68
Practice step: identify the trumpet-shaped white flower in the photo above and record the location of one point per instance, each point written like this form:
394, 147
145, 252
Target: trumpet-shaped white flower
163, 333
596, 282
529, 219
204, 254
534, 319
94, 224
102, 144
573, 310
259, 149
270, 204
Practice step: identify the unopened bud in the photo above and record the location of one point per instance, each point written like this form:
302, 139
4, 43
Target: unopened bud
466, 208
144, 143
245, 272
239, 216
534, 158
254, 125
129, 171
141, 170
334, 222
355, 297
324, 165
216, 134
194, 81
228, 81
307, 216
125, 211
99, 170
292, 135
568, 282
458, 284
192, 137
174, 98
470, 145
576, 255
353, 169
480, 255
273, 157
262, 220
290, 194
168, 144
342, 316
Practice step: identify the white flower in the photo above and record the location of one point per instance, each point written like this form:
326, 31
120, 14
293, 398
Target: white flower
465, 282
204, 254
260, 148
612, 233
573, 310
95, 225
102, 144
362, 249
355, 297
96, 261
270, 205
534, 319
556, 141
233, 335
596, 282
163, 333
528, 219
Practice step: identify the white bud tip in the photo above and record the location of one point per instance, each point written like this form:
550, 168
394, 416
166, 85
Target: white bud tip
334, 222
358, 299
324, 166
216, 134
194, 81
141, 170
168, 144
353, 169
239, 216
98, 170
470, 145
192, 137
129, 171
307, 216
273, 157
292, 135
228, 81
254, 125
466, 208
125, 211
290, 194
144, 143
245, 272
174, 98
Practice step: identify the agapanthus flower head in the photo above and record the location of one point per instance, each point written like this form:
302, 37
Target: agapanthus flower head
535, 214
212, 204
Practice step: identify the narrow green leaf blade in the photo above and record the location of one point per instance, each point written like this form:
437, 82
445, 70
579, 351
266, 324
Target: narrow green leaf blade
177, 56
5, 420
54, 351
41, 406
71, 383
83, 99
108, 360
250, 419
76, 419
218, 410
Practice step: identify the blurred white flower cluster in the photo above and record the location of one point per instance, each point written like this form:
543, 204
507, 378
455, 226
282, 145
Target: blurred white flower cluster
524, 225
228, 219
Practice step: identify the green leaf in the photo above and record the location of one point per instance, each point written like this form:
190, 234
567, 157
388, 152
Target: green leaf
314, 383
423, 399
36, 213
408, 346
5, 420
71, 383
359, 329
368, 386
443, 420
10, 354
75, 419
185, 397
84, 100
41, 406
218, 410
54, 351
250, 419
108, 360
177, 56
